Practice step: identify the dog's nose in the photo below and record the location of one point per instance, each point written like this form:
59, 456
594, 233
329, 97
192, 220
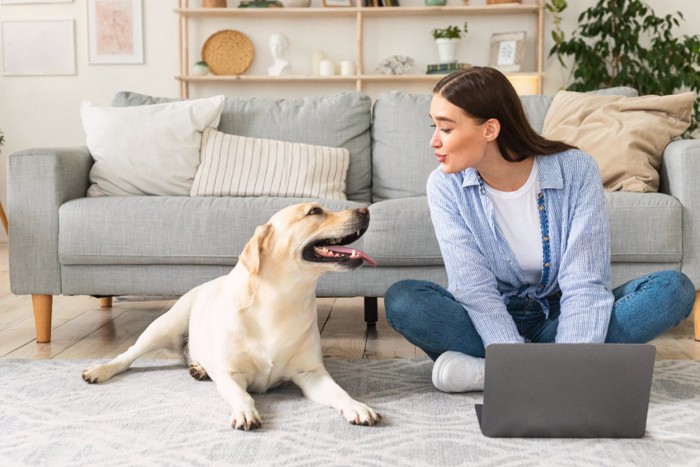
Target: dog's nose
364, 212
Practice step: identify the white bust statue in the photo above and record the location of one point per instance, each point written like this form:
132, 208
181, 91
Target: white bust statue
278, 44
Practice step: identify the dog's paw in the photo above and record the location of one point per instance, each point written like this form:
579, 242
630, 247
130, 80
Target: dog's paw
246, 419
97, 373
358, 413
197, 371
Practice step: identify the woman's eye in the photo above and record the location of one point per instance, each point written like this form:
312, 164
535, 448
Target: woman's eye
446, 130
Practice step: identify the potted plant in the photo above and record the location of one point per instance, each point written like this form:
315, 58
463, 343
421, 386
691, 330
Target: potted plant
624, 43
447, 40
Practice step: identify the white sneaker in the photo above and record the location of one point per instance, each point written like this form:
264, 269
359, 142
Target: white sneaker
458, 372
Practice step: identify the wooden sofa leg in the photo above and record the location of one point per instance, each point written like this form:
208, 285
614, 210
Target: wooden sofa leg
105, 302
696, 315
43, 305
371, 311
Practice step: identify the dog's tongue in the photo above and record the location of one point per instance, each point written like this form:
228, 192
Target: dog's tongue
354, 253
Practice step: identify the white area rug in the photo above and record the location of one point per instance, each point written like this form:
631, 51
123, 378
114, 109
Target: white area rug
157, 415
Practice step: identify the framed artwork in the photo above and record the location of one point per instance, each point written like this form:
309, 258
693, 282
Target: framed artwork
38, 48
337, 2
507, 50
115, 31
14, 2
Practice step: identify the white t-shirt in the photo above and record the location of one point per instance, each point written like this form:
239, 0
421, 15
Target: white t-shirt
518, 217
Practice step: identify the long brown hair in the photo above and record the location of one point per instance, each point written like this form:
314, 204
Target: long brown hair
485, 93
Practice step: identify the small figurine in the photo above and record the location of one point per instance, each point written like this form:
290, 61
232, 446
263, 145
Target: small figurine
395, 65
278, 44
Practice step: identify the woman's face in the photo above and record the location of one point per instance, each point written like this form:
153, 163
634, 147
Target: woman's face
459, 140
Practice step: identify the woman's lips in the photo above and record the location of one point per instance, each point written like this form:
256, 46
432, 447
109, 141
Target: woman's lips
441, 157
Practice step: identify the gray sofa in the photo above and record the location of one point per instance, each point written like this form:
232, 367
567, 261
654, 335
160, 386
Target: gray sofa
62, 242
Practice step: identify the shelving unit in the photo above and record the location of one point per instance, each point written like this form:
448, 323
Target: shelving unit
187, 14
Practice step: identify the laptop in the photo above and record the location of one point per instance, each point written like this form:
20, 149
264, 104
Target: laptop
566, 390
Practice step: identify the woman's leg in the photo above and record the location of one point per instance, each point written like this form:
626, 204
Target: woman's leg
430, 318
648, 306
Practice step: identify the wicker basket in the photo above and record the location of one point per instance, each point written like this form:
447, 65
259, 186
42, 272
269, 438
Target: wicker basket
213, 3
228, 52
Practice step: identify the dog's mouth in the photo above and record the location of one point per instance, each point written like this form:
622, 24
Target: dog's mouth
333, 250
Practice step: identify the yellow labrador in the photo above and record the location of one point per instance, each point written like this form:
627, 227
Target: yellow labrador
256, 327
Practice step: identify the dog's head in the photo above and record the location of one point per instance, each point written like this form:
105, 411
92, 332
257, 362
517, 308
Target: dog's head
308, 237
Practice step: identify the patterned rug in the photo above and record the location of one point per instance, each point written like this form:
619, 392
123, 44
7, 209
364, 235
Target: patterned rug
157, 415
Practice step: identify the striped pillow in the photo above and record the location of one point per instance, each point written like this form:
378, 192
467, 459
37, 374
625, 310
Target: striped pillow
233, 165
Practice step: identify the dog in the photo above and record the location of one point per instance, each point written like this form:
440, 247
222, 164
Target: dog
257, 327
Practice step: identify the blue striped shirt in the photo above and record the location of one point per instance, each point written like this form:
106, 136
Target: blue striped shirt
482, 269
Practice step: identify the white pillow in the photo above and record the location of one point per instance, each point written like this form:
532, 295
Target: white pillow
241, 166
149, 149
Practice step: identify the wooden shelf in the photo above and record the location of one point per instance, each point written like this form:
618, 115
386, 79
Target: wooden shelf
407, 77
502, 9
187, 14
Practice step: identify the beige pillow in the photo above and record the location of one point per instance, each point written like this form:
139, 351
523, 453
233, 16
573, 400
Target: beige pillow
147, 149
233, 165
625, 135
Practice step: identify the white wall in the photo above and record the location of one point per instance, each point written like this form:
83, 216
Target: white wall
44, 111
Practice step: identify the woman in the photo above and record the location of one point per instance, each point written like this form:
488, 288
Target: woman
523, 230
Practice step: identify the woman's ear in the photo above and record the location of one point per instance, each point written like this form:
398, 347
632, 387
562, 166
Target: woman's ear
492, 128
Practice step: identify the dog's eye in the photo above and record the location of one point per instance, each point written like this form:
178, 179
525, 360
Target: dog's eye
315, 211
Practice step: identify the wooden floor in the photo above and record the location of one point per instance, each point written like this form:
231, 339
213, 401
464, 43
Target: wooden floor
83, 330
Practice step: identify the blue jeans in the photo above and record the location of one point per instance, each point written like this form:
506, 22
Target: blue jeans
430, 318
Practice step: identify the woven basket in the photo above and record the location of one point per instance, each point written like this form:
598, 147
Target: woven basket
228, 52
213, 3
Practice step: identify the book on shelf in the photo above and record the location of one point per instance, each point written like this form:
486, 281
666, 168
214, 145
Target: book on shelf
380, 3
260, 4
444, 68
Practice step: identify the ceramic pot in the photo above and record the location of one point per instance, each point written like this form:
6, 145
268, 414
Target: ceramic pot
296, 3
435, 2
200, 69
447, 50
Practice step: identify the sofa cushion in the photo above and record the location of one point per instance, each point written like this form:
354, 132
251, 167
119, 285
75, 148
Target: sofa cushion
165, 230
232, 165
536, 105
645, 227
341, 120
401, 233
401, 155
625, 135
162, 160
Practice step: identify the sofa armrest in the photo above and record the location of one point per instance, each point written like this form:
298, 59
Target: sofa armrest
680, 178
38, 182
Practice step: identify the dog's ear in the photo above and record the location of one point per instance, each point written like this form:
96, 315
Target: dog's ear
254, 248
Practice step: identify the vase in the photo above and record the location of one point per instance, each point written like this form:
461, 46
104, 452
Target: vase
435, 2
200, 69
447, 50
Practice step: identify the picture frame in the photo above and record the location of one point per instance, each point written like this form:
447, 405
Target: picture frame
334, 3
507, 50
36, 48
115, 31
18, 2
